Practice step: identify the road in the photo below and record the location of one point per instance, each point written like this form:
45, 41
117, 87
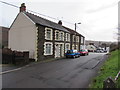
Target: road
64, 73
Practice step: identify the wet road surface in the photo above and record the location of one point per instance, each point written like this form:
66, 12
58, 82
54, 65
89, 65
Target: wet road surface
64, 73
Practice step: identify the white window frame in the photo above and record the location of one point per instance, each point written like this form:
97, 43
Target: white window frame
73, 37
51, 38
56, 31
66, 46
73, 46
45, 48
61, 38
82, 41
77, 47
67, 38
77, 38
59, 48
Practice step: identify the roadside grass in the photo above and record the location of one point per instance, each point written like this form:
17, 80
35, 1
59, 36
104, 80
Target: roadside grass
109, 69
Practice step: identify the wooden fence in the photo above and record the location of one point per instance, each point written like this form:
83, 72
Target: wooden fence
14, 57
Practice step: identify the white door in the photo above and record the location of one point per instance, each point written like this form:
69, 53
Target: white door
57, 50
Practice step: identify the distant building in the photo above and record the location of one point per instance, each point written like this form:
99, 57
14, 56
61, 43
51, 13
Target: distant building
4, 37
97, 44
91, 48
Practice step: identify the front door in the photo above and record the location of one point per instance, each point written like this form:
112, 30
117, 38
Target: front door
57, 50
61, 50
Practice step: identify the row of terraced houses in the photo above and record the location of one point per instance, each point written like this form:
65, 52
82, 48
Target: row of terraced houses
43, 39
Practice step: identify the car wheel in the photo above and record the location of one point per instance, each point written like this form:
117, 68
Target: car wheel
74, 56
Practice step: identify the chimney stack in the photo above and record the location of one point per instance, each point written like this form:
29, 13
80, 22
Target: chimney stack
22, 7
60, 22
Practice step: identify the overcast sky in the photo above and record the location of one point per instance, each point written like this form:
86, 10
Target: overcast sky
99, 18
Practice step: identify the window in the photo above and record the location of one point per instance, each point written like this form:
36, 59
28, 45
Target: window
67, 37
48, 48
56, 35
76, 47
77, 38
62, 36
67, 47
82, 41
73, 38
48, 33
73, 47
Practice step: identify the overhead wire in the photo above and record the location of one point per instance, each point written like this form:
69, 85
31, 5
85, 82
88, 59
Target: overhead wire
44, 16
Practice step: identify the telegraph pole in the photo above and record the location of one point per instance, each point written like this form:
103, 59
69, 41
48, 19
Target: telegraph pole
76, 33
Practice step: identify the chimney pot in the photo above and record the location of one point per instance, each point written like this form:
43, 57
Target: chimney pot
60, 22
22, 7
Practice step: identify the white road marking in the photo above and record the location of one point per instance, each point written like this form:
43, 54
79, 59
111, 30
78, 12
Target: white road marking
10, 71
13, 70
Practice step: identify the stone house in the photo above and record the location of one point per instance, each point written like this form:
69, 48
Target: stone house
43, 39
4, 37
77, 40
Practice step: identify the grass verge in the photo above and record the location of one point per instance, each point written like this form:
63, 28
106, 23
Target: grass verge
109, 69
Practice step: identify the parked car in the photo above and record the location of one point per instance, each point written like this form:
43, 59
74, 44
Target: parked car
104, 51
72, 53
100, 51
84, 52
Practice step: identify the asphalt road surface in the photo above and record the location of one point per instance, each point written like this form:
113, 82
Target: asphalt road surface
64, 73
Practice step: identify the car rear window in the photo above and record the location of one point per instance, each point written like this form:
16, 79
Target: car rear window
69, 51
82, 50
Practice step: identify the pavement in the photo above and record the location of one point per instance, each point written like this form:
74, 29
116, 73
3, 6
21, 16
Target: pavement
64, 73
7, 68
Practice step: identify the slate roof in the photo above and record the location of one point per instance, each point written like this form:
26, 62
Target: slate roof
72, 31
39, 20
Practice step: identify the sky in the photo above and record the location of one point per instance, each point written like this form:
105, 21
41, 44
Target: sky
98, 18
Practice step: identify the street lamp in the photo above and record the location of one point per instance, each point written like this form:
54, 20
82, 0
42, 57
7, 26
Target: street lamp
75, 32
76, 25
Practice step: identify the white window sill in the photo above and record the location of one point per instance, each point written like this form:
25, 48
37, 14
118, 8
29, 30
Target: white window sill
47, 54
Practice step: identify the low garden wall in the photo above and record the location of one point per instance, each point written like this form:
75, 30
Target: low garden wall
14, 57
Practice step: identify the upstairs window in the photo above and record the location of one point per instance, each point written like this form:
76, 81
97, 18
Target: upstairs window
82, 40
61, 36
48, 34
57, 35
67, 37
77, 38
73, 38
